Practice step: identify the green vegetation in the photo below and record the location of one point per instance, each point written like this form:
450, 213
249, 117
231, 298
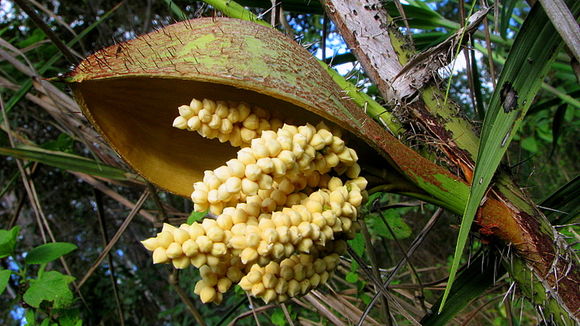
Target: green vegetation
72, 212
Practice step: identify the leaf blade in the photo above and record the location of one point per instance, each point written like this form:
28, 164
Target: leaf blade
4, 278
48, 252
66, 161
52, 286
8, 241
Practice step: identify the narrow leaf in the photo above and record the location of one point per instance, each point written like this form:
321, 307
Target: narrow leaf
66, 161
8, 241
234, 9
196, 216
4, 278
175, 9
565, 24
48, 252
563, 206
30, 317
534, 49
557, 126
507, 9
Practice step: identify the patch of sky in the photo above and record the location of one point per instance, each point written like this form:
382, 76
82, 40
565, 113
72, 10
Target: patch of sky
6, 11
17, 313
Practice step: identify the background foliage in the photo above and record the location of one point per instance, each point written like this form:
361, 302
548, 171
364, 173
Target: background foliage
127, 288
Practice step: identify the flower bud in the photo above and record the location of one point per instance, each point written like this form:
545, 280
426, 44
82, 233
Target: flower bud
246, 156
224, 284
174, 250
203, 243
249, 187
248, 255
151, 244
190, 248
293, 288
180, 122
219, 249
199, 260
251, 122
180, 262
207, 294
244, 110
195, 106
194, 123
258, 289
266, 165
160, 256
215, 234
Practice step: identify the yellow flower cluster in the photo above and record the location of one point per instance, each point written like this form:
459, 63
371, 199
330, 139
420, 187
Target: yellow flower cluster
237, 123
293, 276
280, 216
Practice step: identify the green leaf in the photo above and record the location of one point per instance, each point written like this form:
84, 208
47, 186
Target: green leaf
401, 230
8, 241
357, 244
48, 252
36, 36
234, 9
532, 53
366, 299
66, 161
529, 144
63, 143
53, 287
69, 317
505, 16
30, 317
175, 10
4, 278
196, 216
278, 318
351, 277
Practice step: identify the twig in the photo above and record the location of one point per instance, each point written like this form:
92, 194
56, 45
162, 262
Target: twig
115, 238
411, 266
66, 52
105, 238
111, 193
35, 201
371, 253
14, 217
158, 202
416, 243
174, 281
323, 310
252, 312
231, 311
287, 314
474, 313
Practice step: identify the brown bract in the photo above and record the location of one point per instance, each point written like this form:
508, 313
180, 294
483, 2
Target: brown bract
131, 91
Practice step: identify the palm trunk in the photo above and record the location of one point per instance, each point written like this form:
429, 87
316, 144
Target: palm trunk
544, 266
